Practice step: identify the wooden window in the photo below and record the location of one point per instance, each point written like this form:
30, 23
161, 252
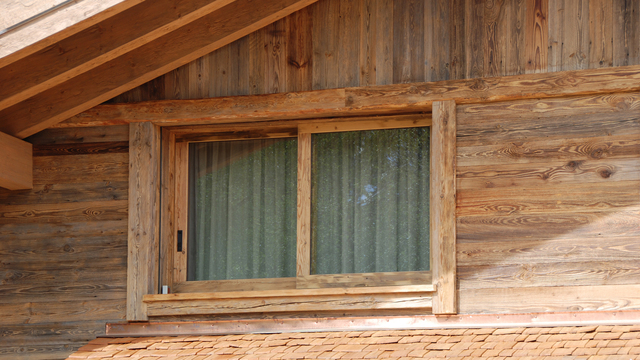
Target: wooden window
427, 285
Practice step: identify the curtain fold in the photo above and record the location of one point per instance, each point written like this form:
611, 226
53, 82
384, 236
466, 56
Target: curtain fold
370, 201
242, 209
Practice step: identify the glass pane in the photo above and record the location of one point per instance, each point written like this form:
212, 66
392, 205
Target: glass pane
242, 209
370, 201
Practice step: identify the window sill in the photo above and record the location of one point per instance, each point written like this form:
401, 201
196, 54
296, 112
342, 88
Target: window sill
327, 299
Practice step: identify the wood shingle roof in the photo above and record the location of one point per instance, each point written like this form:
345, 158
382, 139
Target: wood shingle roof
586, 342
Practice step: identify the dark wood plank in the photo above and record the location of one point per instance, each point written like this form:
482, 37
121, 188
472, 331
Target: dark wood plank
83, 148
408, 41
384, 42
63, 311
65, 193
438, 43
299, 50
537, 35
80, 168
67, 212
62, 230
53, 334
115, 133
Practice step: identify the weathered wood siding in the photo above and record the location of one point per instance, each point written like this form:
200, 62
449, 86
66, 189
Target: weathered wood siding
343, 43
548, 205
63, 258
548, 192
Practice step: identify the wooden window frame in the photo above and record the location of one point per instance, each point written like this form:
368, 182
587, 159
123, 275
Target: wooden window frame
423, 291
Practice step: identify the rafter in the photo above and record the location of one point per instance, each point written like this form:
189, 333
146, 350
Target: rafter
53, 96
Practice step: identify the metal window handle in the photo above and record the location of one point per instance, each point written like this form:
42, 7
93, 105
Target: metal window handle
179, 240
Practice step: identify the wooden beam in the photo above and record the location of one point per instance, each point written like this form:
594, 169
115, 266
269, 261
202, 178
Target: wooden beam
142, 64
363, 101
65, 20
144, 197
98, 44
303, 263
443, 206
16, 163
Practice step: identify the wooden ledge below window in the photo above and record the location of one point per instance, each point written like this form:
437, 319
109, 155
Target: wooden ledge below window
290, 300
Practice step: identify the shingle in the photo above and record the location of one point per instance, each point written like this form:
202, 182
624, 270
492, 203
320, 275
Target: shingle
515, 343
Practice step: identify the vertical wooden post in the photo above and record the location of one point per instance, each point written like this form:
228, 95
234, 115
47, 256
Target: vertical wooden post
144, 196
443, 206
303, 267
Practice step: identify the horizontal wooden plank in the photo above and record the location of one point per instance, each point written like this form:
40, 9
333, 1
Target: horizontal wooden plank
82, 148
548, 174
80, 168
397, 122
364, 279
114, 288
63, 311
89, 274
572, 225
539, 109
290, 128
291, 292
65, 193
533, 251
52, 248
80, 135
79, 211
117, 259
493, 132
234, 285
551, 199
291, 304
63, 230
382, 99
53, 333
39, 352
584, 273
547, 299
540, 150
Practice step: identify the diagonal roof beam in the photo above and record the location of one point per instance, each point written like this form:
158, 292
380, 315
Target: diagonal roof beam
96, 45
225, 22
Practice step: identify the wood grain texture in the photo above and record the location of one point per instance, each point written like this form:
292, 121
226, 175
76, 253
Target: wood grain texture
16, 163
442, 191
181, 213
109, 39
306, 304
364, 279
144, 199
303, 262
536, 30
234, 285
402, 98
170, 51
546, 299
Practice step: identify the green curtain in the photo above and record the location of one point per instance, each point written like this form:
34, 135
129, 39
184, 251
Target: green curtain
370, 201
242, 209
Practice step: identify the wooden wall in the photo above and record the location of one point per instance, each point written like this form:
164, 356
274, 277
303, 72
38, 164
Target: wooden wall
342, 43
63, 258
547, 202
548, 213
